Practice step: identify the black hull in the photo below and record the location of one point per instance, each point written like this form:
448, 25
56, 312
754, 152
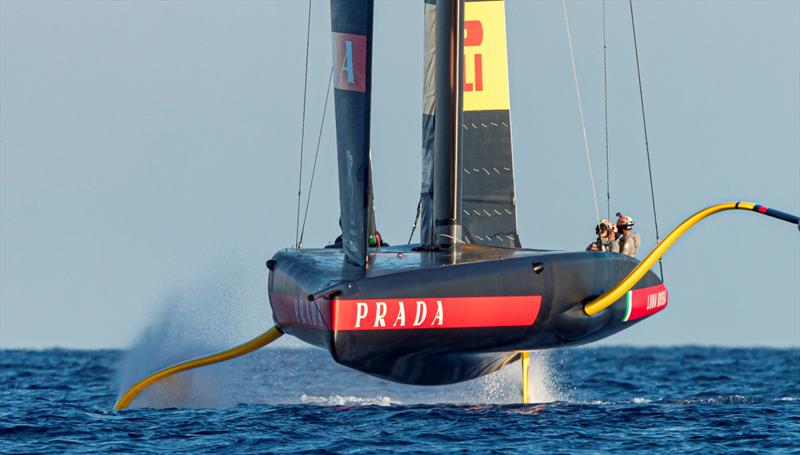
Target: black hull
430, 318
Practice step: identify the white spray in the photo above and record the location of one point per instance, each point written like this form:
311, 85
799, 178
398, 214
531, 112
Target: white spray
223, 308
505, 386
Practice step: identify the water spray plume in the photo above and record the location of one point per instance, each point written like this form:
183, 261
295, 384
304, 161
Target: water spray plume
245, 348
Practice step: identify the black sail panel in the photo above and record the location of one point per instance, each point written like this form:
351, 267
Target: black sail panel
428, 123
489, 213
351, 26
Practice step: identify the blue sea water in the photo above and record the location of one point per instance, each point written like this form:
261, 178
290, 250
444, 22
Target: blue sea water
594, 400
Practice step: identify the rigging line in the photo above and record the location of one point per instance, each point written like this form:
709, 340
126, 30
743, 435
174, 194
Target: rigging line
646, 141
580, 109
605, 109
316, 156
302, 134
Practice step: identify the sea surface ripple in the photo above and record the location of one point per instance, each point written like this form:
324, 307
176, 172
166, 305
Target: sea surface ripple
593, 400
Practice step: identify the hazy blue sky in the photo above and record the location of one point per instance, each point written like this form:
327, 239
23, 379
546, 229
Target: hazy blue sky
149, 153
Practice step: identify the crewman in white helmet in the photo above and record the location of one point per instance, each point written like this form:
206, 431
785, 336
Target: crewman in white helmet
627, 242
605, 238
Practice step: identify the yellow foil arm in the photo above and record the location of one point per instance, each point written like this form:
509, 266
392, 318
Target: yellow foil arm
260, 341
627, 283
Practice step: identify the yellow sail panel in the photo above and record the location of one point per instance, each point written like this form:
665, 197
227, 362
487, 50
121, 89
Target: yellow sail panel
485, 56
489, 214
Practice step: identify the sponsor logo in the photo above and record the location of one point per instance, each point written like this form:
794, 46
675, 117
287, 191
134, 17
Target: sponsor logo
291, 310
435, 313
381, 309
307, 313
644, 302
350, 62
656, 300
473, 36
485, 57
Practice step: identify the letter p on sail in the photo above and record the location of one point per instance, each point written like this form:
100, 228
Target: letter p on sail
485, 57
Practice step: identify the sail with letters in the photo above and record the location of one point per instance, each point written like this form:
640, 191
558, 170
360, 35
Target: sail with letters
488, 205
351, 27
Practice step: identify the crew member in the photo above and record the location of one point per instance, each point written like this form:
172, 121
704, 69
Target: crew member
376, 240
338, 243
605, 238
628, 242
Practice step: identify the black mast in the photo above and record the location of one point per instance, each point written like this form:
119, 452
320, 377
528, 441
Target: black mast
448, 112
351, 27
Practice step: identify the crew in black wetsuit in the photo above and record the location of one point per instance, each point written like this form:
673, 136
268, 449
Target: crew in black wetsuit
374, 240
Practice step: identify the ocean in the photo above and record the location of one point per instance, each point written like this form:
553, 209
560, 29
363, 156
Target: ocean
591, 400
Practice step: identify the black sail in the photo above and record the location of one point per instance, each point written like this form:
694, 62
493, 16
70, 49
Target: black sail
351, 27
489, 215
428, 123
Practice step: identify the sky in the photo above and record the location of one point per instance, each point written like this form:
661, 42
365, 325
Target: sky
149, 155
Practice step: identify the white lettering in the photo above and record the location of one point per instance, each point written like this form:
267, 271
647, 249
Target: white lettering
359, 315
422, 313
401, 315
315, 316
307, 313
380, 314
347, 65
652, 301
439, 314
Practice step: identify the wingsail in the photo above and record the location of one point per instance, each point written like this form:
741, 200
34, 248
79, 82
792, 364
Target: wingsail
351, 27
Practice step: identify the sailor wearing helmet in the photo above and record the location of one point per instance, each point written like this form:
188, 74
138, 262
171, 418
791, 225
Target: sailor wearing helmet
628, 242
605, 238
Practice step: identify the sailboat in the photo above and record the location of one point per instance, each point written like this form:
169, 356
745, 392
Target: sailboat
468, 299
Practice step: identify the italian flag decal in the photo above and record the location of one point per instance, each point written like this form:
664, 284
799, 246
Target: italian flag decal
644, 302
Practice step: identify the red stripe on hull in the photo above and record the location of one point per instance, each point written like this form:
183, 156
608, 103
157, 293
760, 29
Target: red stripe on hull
646, 301
435, 313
